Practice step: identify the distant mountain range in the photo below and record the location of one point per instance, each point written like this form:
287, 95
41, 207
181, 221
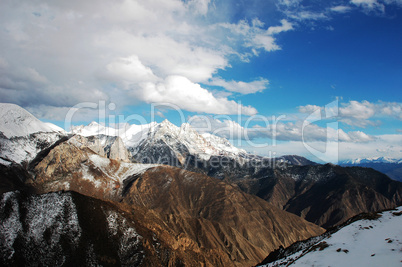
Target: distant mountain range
372, 160
163, 195
390, 166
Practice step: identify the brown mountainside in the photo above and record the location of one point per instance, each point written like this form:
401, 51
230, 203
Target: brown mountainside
326, 195
201, 219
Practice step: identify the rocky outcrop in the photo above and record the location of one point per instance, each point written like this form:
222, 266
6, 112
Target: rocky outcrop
106, 146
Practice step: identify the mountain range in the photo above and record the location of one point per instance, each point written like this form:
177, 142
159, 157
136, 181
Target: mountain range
390, 166
163, 195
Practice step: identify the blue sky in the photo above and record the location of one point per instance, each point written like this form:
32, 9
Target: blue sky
213, 59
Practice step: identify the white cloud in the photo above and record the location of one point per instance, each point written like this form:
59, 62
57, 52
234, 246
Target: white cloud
308, 15
241, 87
140, 82
180, 91
358, 110
131, 70
380, 145
199, 6
341, 9
286, 26
362, 114
290, 3
274, 129
308, 109
66, 52
397, 2
369, 5
255, 36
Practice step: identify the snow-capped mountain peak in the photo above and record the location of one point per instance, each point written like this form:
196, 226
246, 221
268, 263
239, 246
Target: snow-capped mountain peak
204, 145
22, 136
16, 121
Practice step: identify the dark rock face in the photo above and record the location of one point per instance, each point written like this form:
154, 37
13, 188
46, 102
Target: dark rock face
392, 170
13, 177
65, 229
296, 160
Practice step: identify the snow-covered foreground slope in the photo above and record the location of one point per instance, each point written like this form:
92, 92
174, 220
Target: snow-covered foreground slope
375, 242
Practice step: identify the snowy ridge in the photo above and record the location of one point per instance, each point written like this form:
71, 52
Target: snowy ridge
16, 121
25, 148
372, 160
130, 134
22, 136
366, 242
204, 146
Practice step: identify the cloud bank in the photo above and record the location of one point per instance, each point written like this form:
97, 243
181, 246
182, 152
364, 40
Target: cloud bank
56, 54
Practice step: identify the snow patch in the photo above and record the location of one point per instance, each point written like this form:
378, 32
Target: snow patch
361, 243
5, 162
11, 225
129, 239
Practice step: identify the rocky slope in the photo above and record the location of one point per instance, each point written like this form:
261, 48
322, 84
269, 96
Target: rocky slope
323, 194
106, 146
292, 183
196, 216
66, 229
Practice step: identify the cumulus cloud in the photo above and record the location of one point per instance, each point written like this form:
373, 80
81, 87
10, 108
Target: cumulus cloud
56, 54
199, 6
140, 82
180, 91
130, 70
